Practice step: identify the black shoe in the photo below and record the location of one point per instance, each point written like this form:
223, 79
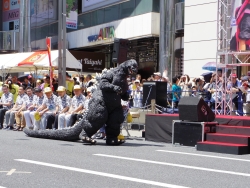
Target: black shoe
1, 127
114, 141
9, 128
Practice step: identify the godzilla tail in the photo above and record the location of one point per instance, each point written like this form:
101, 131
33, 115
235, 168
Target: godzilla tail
64, 134
68, 134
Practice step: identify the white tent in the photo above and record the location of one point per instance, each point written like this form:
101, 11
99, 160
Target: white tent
33, 61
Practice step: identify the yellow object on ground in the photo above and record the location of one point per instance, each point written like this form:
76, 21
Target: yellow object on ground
37, 116
121, 137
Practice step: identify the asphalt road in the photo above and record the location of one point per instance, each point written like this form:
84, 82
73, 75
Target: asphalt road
31, 162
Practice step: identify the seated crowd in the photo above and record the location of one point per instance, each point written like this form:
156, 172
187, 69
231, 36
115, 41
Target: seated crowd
43, 107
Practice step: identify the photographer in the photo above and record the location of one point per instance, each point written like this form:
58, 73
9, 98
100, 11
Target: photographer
185, 85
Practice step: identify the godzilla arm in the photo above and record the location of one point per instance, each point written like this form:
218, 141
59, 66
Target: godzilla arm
106, 83
125, 96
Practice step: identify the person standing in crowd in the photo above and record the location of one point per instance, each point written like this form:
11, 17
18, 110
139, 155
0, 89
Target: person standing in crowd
137, 94
246, 96
58, 121
46, 82
6, 102
185, 85
75, 81
176, 92
69, 85
19, 116
88, 83
77, 105
13, 88
157, 77
39, 84
81, 78
36, 103
233, 87
26, 82
49, 106
22, 98
212, 89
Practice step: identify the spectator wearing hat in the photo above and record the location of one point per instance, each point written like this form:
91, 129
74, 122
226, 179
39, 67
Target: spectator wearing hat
64, 101
29, 113
157, 77
185, 85
22, 98
6, 103
233, 86
20, 120
49, 106
137, 94
77, 105
69, 85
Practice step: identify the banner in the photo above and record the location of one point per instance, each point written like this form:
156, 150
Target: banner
10, 15
34, 58
71, 14
48, 42
240, 26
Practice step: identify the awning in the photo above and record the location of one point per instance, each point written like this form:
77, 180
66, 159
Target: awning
30, 61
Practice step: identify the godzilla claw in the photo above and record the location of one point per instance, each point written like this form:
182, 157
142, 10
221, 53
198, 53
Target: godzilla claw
88, 140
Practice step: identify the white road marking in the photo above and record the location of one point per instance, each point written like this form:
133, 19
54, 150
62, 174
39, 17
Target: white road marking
175, 165
201, 155
14, 171
2, 187
102, 174
11, 172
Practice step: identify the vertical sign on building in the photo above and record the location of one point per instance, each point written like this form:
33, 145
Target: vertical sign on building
11, 15
71, 14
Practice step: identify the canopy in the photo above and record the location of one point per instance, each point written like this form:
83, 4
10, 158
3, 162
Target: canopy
31, 61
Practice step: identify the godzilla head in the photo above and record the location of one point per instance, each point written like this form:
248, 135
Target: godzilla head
130, 66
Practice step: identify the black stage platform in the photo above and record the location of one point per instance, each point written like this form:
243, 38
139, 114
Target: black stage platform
158, 127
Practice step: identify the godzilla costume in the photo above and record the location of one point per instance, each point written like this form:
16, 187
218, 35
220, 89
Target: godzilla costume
104, 108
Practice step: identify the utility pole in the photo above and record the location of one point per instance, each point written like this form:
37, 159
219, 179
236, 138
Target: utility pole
62, 42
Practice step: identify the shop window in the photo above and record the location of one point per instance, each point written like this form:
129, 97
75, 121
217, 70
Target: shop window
84, 21
53, 29
143, 6
97, 17
111, 13
127, 9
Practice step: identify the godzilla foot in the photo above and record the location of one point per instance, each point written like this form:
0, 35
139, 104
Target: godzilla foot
114, 142
88, 140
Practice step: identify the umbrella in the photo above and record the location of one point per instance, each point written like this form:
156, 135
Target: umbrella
211, 66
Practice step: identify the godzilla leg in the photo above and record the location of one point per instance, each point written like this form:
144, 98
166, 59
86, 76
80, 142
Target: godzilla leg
113, 127
96, 118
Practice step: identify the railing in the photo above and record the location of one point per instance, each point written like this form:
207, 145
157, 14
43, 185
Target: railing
9, 40
239, 106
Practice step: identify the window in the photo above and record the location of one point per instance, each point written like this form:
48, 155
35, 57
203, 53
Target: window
111, 13
127, 9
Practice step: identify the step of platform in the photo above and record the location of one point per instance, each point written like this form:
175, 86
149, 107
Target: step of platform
229, 129
228, 138
220, 147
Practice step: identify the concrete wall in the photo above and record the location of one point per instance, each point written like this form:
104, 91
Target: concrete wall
200, 35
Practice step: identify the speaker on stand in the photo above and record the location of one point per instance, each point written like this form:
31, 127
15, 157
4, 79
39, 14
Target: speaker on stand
120, 50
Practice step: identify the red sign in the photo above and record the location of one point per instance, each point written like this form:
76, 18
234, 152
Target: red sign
34, 58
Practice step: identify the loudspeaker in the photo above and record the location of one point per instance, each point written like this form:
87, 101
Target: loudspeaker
195, 109
155, 90
120, 50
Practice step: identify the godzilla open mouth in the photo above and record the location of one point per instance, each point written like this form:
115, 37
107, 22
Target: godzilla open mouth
132, 71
